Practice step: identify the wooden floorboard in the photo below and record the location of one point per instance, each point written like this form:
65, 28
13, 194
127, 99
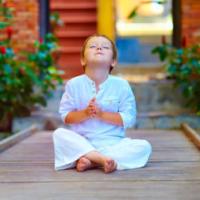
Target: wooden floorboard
173, 172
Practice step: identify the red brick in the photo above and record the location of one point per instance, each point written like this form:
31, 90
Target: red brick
25, 17
191, 20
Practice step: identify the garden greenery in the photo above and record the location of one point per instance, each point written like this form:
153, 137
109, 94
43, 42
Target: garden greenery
183, 65
25, 78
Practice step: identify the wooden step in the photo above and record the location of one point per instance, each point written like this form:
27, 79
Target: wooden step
77, 27
70, 59
73, 5
166, 120
80, 21
71, 41
70, 50
71, 2
69, 19
75, 34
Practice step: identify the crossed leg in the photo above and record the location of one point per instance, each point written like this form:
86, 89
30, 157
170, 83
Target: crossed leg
95, 159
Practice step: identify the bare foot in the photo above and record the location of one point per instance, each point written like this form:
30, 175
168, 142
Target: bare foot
83, 164
109, 165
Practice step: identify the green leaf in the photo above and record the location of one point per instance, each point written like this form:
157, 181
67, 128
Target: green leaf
171, 69
178, 60
54, 16
41, 55
9, 53
4, 24
196, 65
162, 51
185, 70
7, 69
52, 70
179, 52
36, 44
161, 2
133, 13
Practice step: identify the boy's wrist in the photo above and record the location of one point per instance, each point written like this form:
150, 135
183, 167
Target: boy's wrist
100, 115
85, 113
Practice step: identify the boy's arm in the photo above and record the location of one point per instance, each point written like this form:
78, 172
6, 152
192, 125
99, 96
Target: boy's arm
127, 110
74, 117
111, 117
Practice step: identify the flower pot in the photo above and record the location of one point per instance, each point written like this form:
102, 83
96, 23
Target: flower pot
6, 123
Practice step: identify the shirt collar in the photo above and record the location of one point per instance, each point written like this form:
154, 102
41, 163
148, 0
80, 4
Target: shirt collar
93, 83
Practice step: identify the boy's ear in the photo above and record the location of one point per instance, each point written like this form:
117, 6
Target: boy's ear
114, 63
83, 63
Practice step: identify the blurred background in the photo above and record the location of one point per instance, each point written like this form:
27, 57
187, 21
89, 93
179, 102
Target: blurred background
157, 42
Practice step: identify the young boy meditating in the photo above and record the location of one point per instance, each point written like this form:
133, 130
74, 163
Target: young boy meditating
98, 107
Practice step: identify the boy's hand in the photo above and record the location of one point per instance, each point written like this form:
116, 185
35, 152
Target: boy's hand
93, 110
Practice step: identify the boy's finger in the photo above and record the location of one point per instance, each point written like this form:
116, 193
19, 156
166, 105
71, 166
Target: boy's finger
93, 99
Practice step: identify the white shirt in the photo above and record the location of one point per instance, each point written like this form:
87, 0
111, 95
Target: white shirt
114, 95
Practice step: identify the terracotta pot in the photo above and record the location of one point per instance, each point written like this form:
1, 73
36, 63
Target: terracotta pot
6, 123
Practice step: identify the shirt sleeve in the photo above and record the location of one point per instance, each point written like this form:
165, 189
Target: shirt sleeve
127, 108
67, 103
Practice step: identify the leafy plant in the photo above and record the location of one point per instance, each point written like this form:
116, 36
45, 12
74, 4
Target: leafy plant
183, 65
25, 78
43, 62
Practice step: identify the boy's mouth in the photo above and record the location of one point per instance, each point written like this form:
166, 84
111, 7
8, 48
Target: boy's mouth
99, 53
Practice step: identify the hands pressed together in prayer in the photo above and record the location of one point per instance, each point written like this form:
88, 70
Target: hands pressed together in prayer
93, 110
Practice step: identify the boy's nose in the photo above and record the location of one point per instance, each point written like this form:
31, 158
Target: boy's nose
99, 48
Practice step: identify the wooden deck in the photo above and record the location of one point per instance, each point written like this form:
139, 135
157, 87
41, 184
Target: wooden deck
173, 173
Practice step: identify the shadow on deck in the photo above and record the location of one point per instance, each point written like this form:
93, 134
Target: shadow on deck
27, 172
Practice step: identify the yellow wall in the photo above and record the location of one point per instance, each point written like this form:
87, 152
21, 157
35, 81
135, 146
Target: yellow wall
106, 18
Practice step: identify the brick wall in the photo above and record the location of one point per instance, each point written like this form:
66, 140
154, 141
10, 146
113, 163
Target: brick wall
26, 23
191, 20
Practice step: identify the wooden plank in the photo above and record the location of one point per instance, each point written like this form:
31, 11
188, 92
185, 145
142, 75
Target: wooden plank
173, 172
160, 171
166, 147
175, 190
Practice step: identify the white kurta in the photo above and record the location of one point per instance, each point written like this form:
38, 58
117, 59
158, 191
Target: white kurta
114, 95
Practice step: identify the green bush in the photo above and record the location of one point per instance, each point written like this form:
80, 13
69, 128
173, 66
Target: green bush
183, 65
26, 78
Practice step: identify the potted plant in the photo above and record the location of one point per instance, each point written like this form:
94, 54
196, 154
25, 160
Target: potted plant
183, 65
26, 78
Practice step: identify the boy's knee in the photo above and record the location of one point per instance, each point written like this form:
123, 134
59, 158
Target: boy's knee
147, 145
58, 132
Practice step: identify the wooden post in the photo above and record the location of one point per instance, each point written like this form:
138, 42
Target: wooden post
177, 28
44, 17
191, 134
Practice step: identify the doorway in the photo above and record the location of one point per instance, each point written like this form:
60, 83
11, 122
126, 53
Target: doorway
140, 26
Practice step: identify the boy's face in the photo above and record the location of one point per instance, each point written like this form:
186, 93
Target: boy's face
98, 50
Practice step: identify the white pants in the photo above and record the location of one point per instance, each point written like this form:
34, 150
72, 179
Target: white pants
69, 146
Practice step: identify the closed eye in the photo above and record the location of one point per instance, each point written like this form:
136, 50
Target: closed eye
92, 46
106, 47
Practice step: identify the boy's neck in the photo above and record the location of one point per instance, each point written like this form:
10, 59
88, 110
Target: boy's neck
97, 75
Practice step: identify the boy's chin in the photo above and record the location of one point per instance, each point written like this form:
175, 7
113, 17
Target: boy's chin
101, 66
99, 62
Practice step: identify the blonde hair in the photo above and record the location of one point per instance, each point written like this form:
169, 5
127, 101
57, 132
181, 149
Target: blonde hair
114, 49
